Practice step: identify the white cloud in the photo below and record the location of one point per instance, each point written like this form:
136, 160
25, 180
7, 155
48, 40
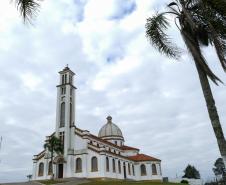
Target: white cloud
117, 73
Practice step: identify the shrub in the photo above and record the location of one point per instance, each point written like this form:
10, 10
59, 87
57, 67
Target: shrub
184, 181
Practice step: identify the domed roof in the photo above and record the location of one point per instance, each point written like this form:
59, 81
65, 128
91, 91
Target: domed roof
110, 129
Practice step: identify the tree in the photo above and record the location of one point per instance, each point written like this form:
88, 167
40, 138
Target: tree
200, 23
54, 145
191, 172
219, 167
28, 8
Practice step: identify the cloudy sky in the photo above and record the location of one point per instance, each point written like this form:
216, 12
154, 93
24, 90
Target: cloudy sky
157, 102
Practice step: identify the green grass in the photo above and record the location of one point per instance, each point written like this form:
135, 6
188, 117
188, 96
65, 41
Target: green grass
50, 182
112, 182
118, 182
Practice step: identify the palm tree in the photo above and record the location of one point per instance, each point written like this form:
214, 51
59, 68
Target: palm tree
200, 23
28, 8
54, 145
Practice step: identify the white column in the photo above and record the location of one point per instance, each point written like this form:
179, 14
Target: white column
45, 173
34, 172
102, 165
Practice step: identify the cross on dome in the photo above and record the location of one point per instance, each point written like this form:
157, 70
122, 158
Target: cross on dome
109, 118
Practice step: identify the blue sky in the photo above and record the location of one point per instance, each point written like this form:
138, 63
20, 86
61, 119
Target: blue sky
157, 102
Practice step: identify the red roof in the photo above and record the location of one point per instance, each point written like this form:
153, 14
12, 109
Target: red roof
124, 147
143, 157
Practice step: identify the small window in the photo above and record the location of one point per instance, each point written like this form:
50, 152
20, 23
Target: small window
113, 165
78, 165
115, 142
143, 170
40, 169
94, 165
154, 170
107, 164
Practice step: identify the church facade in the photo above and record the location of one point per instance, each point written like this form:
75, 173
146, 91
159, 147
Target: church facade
87, 155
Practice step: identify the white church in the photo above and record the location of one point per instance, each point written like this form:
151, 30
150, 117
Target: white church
89, 156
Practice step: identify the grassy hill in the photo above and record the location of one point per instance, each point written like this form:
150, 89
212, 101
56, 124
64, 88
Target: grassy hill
108, 182
113, 182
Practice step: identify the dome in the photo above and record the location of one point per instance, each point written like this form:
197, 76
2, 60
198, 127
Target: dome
110, 130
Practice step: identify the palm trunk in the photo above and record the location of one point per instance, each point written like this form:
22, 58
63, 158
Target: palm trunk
212, 110
52, 175
195, 51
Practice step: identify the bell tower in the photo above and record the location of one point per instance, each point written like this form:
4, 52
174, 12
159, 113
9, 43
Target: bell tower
65, 112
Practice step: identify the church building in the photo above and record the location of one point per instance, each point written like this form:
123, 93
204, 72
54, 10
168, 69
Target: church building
87, 155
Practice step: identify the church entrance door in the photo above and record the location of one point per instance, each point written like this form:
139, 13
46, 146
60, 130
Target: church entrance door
124, 169
60, 170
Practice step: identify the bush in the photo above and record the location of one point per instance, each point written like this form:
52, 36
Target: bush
184, 181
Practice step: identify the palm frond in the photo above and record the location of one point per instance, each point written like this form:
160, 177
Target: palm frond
220, 46
155, 32
194, 48
28, 9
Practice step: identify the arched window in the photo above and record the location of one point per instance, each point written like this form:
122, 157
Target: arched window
113, 164
154, 170
143, 170
119, 167
129, 169
107, 164
50, 168
133, 170
78, 165
62, 114
94, 165
40, 169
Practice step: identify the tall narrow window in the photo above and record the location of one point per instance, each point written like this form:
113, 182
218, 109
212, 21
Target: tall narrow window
71, 91
154, 170
50, 168
129, 169
107, 164
119, 167
70, 79
143, 170
62, 79
71, 114
40, 169
65, 78
113, 164
94, 165
62, 114
62, 138
133, 170
78, 165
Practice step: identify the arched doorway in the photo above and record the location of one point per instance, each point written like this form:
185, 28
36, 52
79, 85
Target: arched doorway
60, 171
59, 161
